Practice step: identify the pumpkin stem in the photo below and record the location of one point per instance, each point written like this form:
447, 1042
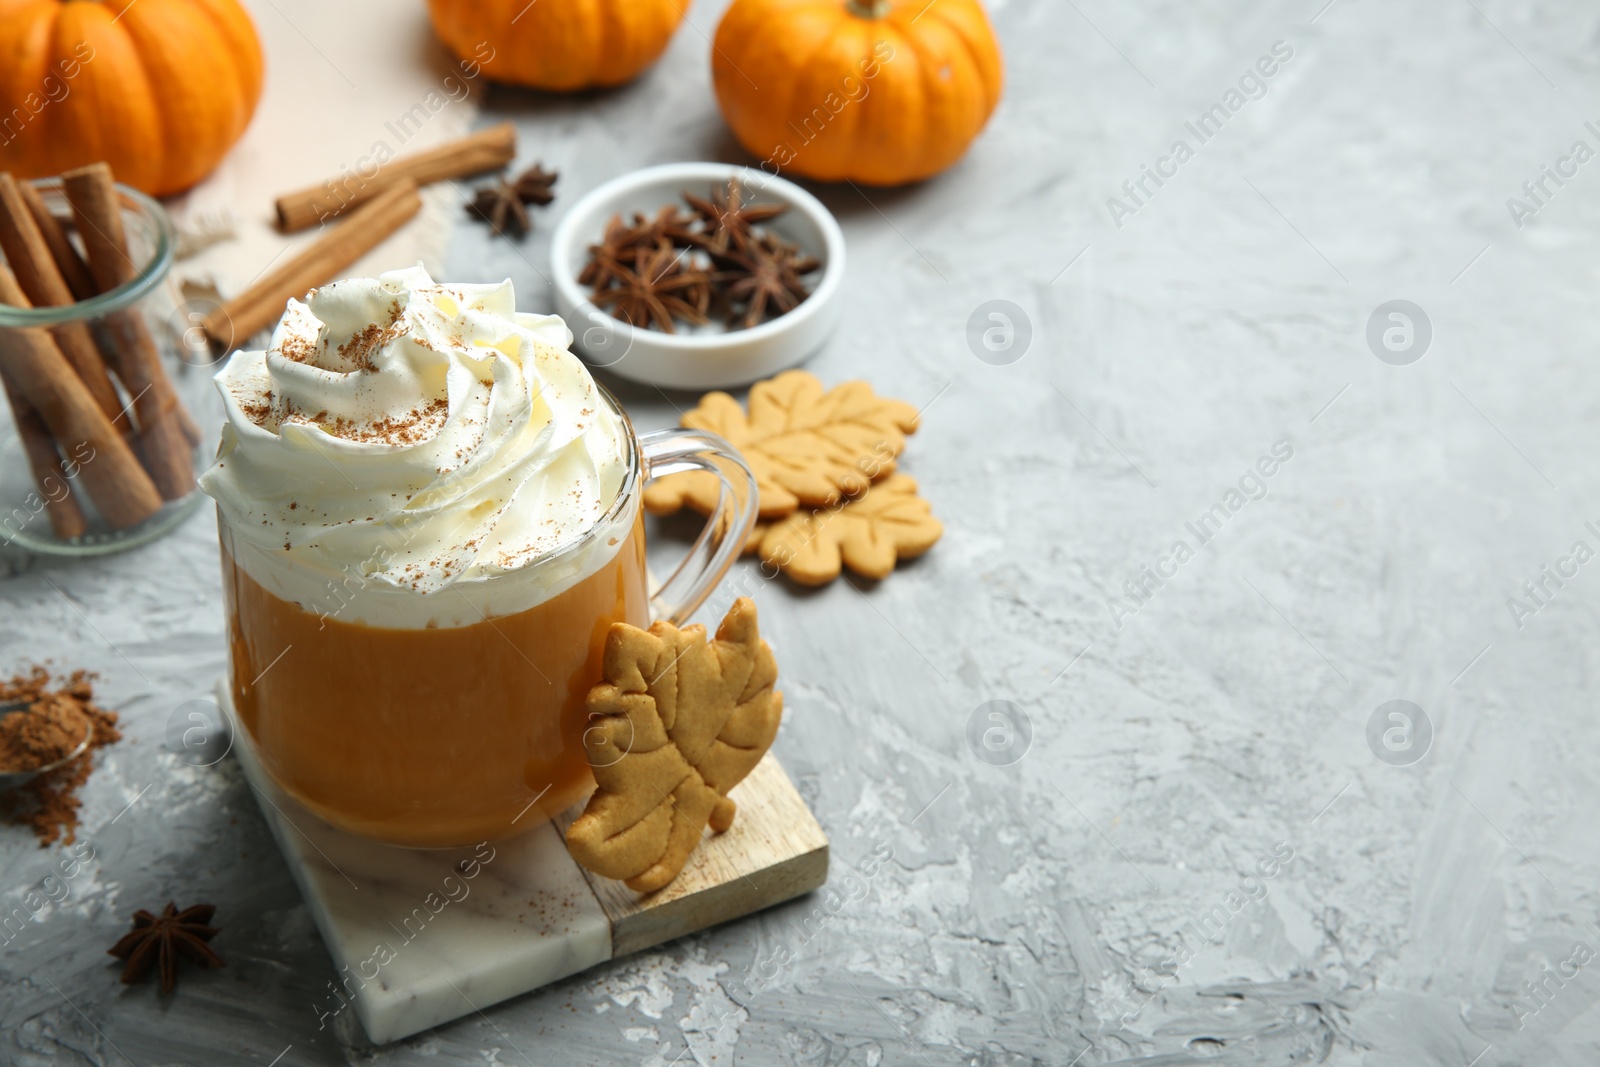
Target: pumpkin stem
868, 9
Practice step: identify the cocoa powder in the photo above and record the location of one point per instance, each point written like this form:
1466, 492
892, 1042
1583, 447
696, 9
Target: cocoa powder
59, 711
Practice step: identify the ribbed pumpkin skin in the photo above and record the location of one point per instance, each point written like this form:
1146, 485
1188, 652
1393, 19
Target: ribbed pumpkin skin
160, 89
808, 81
562, 45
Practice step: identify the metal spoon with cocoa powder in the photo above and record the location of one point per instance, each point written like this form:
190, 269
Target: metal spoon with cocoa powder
12, 779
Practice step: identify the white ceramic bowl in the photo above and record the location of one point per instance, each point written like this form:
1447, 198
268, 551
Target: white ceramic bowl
699, 360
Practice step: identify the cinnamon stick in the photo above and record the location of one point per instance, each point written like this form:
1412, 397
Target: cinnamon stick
71, 264
163, 444
49, 473
41, 281
485, 150
320, 262
118, 485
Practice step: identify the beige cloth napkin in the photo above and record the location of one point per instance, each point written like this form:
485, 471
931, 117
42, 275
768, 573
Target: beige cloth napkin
342, 77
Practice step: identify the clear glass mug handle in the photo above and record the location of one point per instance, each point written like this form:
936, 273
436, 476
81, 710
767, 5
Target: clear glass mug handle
722, 540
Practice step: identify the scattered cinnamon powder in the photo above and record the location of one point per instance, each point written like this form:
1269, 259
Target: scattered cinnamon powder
59, 710
256, 410
420, 424
362, 349
298, 349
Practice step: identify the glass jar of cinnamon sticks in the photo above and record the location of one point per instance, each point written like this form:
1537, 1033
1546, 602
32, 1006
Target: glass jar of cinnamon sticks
100, 451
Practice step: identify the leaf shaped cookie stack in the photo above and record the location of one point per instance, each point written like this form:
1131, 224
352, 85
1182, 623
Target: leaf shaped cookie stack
805, 445
886, 523
824, 461
676, 724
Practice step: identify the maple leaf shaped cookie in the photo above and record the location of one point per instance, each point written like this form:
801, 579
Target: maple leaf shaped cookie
677, 723
805, 445
869, 534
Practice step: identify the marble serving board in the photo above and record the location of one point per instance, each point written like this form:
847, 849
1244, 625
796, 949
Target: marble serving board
419, 938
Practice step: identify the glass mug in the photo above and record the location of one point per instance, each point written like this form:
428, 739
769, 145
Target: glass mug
445, 736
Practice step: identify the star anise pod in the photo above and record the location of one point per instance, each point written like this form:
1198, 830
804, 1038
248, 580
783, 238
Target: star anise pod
501, 207
655, 288
536, 185
161, 939
622, 239
671, 224
503, 204
615, 247
769, 282
728, 220
604, 266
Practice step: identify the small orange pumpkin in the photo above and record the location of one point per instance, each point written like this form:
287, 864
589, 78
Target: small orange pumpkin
876, 91
557, 44
160, 89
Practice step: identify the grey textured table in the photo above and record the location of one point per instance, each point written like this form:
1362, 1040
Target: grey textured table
1119, 890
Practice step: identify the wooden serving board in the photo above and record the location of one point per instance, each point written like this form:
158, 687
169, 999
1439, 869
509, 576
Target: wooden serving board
420, 937
774, 851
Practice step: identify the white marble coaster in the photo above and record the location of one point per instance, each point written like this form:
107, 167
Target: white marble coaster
422, 937
417, 942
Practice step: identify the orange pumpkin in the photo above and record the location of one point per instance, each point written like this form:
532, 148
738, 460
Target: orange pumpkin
160, 89
876, 91
557, 44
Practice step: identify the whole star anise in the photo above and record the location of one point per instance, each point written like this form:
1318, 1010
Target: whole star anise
728, 220
657, 287
671, 224
161, 939
536, 185
605, 258
768, 281
503, 204
501, 207
622, 240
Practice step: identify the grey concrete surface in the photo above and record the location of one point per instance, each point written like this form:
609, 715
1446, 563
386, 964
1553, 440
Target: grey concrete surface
1192, 853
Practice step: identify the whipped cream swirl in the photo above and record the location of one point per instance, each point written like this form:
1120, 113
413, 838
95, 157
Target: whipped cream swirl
400, 439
